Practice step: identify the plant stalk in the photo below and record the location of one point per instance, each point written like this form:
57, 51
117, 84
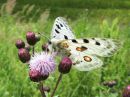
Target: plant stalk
41, 89
33, 49
57, 83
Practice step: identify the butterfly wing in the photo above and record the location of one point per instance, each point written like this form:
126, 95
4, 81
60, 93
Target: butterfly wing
93, 46
61, 30
83, 62
84, 52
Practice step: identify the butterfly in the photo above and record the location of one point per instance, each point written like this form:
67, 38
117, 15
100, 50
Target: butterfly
85, 52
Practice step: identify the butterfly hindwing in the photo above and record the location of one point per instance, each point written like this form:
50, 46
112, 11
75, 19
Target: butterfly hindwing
87, 62
81, 60
61, 30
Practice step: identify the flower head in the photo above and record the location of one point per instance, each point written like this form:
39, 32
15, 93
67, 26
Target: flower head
43, 63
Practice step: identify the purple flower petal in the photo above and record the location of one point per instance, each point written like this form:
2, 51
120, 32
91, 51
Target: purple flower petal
43, 62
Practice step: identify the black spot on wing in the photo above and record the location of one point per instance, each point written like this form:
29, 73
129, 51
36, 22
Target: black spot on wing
49, 42
97, 43
85, 40
65, 37
61, 25
57, 31
84, 48
74, 41
58, 26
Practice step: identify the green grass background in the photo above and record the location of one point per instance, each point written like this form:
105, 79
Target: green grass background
99, 18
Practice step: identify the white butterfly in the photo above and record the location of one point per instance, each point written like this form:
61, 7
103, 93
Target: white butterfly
83, 52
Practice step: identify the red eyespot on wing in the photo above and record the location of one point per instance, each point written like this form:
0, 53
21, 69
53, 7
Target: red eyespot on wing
87, 58
82, 48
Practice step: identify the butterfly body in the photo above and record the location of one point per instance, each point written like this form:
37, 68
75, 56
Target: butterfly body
83, 52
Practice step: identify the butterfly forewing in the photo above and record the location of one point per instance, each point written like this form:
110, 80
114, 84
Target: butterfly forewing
61, 30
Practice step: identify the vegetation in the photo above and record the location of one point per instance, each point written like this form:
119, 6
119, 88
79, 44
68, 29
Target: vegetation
108, 23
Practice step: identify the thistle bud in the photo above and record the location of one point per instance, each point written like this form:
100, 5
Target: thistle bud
36, 76
24, 55
65, 65
45, 47
20, 44
126, 92
31, 38
110, 83
37, 38
46, 89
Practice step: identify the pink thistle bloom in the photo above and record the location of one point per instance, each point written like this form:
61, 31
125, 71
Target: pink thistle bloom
43, 63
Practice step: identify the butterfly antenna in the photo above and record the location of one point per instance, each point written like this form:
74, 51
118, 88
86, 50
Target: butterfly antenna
43, 35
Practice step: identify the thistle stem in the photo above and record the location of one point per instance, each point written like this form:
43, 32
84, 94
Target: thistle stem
33, 49
57, 83
41, 89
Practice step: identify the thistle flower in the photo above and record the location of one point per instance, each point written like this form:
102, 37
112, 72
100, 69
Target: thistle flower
65, 65
126, 92
42, 62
